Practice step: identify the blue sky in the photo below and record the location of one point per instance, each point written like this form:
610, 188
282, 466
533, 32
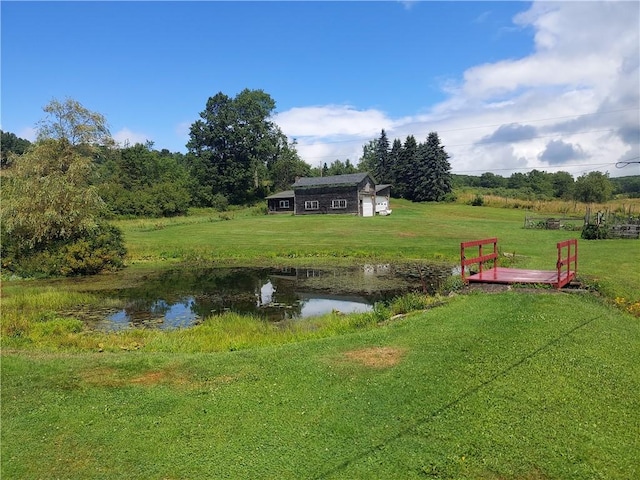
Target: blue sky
509, 86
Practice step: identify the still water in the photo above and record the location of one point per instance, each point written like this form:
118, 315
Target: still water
180, 298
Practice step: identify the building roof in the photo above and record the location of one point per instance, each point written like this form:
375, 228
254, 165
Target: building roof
379, 188
285, 194
349, 179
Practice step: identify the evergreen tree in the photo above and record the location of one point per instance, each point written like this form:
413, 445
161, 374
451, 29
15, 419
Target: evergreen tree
394, 160
432, 172
404, 168
381, 170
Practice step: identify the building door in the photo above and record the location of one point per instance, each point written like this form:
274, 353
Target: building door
367, 206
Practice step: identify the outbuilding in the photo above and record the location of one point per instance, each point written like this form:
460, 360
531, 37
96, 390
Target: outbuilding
354, 194
281, 202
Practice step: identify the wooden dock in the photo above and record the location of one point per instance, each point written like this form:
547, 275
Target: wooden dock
565, 272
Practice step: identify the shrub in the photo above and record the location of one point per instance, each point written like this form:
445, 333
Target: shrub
220, 202
99, 249
594, 232
409, 303
478, 201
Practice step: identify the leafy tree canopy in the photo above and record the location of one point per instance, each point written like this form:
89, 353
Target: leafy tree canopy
72, 122
593, 187
233, 146
51, 214
10, 144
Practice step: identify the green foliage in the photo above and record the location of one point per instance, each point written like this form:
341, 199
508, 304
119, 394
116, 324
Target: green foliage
11, 145
418, 172
286, 168
220, 202
478, 201
73, 123
232, 147
629, 186
138, 181
50, 218
410, 302
593, 187
595, 232
533, 185
99, 249
46, 197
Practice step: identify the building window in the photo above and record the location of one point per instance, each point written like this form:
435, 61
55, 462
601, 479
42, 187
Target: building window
338, 204
311, 205
284, 203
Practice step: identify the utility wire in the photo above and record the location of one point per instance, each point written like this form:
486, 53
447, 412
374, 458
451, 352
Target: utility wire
626, 163
412, 428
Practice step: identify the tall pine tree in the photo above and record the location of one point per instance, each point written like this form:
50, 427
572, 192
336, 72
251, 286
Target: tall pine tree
404, 166
394, 160
432, 172
382, 168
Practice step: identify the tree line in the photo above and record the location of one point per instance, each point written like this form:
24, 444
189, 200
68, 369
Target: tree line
59, 192
592, 187
419, 172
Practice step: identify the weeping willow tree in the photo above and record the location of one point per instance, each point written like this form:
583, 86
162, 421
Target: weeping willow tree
52, 219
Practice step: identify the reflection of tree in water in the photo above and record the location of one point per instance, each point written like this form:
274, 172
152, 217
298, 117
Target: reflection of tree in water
273, 294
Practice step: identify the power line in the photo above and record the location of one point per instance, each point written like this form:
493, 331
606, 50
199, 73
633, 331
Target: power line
532, 168
412, 428
626, 163
364, 133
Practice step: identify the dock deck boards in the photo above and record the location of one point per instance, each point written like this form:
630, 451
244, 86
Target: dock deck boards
516, 275
565, 272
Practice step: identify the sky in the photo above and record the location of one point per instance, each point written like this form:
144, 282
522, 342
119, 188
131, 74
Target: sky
508, 86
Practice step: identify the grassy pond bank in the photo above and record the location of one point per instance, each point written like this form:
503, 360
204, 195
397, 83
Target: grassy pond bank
516, 384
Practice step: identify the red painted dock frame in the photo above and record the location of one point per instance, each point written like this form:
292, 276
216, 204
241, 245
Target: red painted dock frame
566, 265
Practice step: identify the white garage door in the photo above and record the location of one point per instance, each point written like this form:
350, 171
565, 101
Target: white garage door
367, 207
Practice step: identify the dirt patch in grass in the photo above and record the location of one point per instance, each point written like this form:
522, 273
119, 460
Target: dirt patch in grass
376, 357
156, 377
170, 376
102, 377
112, 377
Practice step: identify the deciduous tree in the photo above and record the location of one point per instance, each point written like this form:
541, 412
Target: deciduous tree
71, 121
51, 214
231, 145
593, 187
10, 144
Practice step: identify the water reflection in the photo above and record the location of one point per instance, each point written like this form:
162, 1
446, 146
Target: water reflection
179, 299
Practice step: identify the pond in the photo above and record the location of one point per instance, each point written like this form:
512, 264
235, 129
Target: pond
179, 298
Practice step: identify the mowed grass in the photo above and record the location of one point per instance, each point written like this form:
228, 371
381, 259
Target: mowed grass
430, 232
510, 385
515, 385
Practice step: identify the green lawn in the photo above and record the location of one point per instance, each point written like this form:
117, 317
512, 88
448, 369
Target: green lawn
413, 231
511, 385
515, 385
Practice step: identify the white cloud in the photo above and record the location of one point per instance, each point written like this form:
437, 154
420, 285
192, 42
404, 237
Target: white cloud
125, 136
580, 87
332, 121
331, 132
